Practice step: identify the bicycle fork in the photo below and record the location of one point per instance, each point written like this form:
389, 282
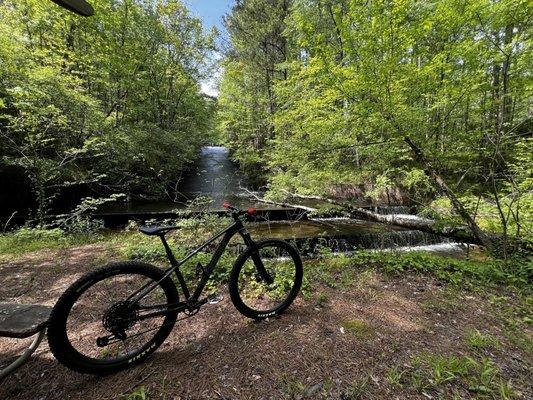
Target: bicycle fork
256, 258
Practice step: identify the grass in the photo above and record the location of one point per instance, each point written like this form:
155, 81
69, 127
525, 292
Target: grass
333, 271
481, 341
458, 375
358, 328
322, 299
394, 376
26, 240
365, 279
471, 274
443, 302
459, 272
357, 390
137, 394
516, 318
291, 386
133, 244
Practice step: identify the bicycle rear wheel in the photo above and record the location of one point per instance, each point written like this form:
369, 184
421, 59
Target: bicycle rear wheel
250, 292
93, 327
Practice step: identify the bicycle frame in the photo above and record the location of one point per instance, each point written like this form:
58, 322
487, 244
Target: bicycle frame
192, 302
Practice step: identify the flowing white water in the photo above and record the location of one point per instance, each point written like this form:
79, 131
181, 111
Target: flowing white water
447, 248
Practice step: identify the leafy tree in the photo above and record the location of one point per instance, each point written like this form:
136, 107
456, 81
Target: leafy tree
252, 66
111, 103
361, 75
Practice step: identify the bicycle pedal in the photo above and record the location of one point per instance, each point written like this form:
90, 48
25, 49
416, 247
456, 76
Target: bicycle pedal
214, 298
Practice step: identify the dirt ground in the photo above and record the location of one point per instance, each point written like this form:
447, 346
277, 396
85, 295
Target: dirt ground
344, 342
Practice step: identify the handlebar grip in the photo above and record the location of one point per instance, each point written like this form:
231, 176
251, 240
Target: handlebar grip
249, 211
229, 206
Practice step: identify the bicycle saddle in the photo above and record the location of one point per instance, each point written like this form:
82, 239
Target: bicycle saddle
157, 230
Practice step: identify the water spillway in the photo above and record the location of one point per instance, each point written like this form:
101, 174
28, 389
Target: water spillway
343, 234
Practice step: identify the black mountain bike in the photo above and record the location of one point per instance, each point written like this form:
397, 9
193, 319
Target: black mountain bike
119, 314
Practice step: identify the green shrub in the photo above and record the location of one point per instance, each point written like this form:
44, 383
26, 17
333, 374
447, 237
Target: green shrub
28, 239
144, 249
27, 234
456, 271
480, 377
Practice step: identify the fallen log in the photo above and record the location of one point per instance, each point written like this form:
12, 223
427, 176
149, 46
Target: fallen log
460, 233
277, 203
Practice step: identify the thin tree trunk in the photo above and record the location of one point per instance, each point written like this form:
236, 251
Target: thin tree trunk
443, 187
278, 203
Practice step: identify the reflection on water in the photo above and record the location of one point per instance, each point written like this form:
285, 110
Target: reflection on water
317, 228
214, 176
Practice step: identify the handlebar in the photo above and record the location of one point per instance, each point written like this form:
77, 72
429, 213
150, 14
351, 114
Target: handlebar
237, 212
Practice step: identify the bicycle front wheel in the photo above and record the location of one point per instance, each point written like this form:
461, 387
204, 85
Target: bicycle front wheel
261, 294
95, 327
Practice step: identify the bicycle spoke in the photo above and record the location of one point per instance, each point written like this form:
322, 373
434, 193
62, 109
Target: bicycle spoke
260, 295
86, 320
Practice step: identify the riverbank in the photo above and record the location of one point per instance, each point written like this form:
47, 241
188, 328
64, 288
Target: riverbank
314, 238
367, 325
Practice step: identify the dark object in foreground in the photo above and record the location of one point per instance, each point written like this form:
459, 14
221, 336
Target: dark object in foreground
80, 7
119, 314
21, 321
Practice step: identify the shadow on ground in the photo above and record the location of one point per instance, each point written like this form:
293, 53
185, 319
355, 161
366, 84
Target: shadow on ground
318, 349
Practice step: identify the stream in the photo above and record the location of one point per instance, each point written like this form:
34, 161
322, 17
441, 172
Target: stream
216, 178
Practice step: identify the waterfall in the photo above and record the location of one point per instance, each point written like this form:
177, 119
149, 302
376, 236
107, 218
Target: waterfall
373, 241
343, 235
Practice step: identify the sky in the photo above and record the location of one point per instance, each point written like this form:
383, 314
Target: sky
211, 13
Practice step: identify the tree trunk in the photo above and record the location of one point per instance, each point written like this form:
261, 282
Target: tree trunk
443, 187
278, 203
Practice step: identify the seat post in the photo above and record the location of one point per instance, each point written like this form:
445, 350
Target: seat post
170, 255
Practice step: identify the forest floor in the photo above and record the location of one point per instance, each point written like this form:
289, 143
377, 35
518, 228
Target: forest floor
359, 333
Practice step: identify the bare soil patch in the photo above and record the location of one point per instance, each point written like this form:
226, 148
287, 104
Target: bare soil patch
346, 342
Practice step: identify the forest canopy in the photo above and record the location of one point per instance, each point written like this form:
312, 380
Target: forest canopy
319, 95
101, 105
316, 99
